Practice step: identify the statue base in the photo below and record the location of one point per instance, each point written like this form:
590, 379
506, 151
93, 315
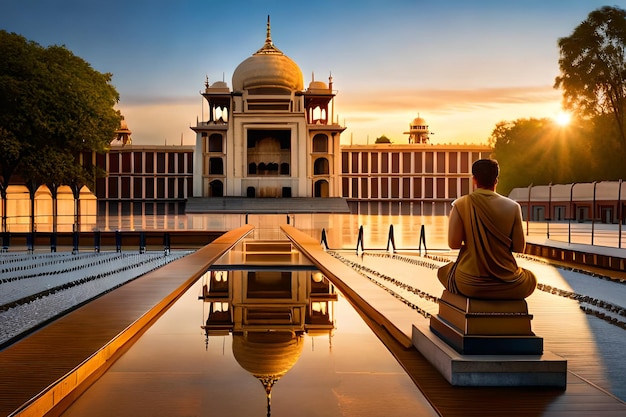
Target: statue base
486, 344
543, 370
485, 327
475, 342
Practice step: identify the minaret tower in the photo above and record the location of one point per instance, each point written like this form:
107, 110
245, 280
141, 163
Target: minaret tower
418, 131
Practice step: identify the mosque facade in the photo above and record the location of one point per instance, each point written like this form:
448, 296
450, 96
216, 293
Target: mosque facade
268, 136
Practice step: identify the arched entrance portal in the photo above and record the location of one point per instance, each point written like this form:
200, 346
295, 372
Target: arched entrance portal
321, 188
216, 188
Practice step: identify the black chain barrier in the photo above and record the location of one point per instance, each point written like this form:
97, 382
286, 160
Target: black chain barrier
605, 305
87, 263
84, 280
363, 270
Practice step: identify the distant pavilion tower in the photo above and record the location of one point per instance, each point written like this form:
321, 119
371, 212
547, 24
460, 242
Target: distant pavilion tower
123, 133
418, 131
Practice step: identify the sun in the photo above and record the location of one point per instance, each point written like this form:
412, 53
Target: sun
563, 118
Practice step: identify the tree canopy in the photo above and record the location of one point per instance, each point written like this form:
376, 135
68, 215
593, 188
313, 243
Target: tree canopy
593, 67
593, 80
538, 151
382, 139
53, 107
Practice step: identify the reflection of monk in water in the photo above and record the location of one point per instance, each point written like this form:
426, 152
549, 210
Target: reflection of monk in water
487, 228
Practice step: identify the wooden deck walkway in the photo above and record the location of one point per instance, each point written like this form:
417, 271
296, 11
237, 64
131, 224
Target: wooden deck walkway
392, 322
52, 365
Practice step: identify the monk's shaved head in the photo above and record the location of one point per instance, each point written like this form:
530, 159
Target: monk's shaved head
486, 172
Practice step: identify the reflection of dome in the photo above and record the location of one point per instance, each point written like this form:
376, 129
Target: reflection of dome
268, 68
267, 354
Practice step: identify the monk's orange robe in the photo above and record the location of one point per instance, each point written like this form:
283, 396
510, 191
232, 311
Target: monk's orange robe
486, 267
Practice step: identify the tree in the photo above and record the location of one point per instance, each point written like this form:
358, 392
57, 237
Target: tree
537, 151
593, 67
382, 139
53, 107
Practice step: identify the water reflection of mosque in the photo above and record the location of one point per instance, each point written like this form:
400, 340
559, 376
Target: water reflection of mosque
268, 302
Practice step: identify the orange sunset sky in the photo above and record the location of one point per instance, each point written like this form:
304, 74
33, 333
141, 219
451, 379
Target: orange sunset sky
462, 65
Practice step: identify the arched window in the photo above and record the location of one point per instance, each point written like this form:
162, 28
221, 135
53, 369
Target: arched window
317, 114
321, 167
252, 168
216, 188
321, 188
272, 168
284, 168
320, 143
220, 114
215, 143
251, 192
216, 166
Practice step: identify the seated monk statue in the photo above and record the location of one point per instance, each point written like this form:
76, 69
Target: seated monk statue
487, 228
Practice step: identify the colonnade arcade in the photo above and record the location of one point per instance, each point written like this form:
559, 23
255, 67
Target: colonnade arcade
46, 210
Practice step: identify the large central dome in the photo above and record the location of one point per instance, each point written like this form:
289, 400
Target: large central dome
268, 68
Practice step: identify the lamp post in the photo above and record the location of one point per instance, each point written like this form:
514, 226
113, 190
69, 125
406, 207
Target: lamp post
571, 213
3, 195
549, 210
619, 215
530, 187
593, 212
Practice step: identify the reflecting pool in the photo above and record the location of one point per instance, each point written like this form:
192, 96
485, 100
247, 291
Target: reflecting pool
263, 332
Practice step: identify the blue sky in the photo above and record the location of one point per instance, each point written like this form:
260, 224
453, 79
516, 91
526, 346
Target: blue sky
462, 65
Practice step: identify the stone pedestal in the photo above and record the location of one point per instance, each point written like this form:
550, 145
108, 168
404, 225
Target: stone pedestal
485, 327
487, 343
545, 370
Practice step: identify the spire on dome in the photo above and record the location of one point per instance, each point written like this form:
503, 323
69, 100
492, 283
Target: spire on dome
268, 47
268, 36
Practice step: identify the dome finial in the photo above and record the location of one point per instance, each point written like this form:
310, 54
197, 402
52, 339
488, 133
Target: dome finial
268, 47
268, 35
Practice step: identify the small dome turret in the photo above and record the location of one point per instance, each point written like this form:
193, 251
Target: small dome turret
419, 122
418, 131
317, 86
219, 84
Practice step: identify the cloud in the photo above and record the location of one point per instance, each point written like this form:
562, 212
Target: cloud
132, 100
161, 121
456, 115
437, 100
463, 115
